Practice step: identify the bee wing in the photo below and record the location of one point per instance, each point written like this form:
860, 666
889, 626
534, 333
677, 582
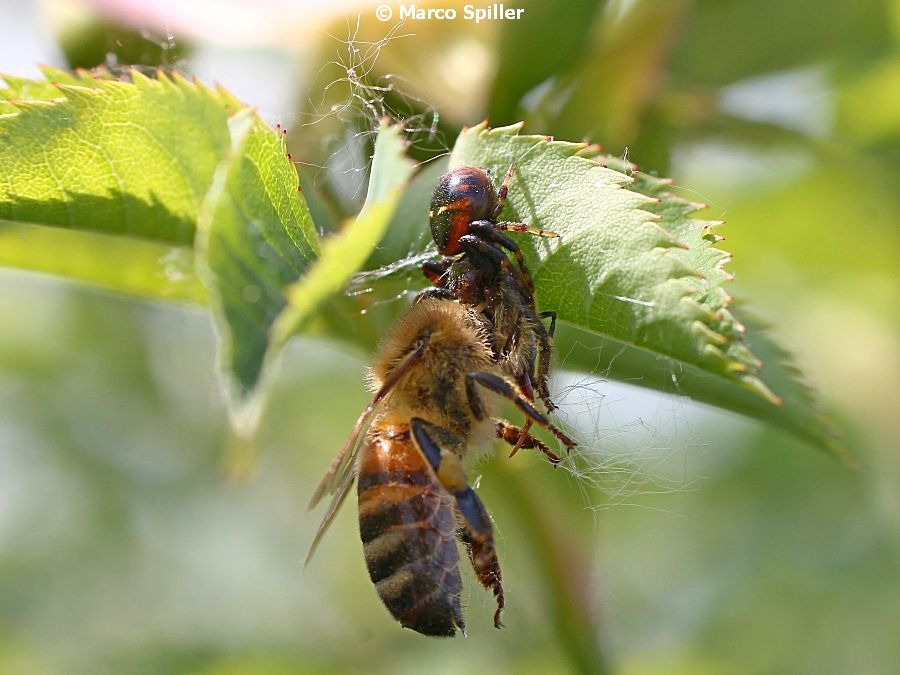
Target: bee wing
342, 465
339, 477
340, 493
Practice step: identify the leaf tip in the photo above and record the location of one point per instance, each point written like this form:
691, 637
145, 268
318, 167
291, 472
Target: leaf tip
759, 387
139, 79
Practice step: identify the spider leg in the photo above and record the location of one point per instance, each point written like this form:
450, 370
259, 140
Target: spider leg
508, 226
519, 437
438, 292
436, 271
486, 231
528, 390
502, 192
545, 338
552, 316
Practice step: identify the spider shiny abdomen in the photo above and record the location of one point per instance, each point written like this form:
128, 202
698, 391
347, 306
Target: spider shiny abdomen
463, 196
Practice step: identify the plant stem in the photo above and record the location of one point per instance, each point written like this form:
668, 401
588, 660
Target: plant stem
565, 567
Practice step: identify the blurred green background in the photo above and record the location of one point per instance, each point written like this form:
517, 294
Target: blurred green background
138, 535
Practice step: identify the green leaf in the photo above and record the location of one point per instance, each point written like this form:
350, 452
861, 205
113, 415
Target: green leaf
24, 89
127, 166
117, 157
344, 253
633, 267
255, 237
152, 269
146, 269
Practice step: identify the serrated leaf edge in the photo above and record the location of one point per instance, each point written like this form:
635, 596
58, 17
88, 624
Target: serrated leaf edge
714, 343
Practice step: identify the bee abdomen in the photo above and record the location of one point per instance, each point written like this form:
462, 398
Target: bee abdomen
407, 526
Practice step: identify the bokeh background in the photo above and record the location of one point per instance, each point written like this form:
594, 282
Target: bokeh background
137, 534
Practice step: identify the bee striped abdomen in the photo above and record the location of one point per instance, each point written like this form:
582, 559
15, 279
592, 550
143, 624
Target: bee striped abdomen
407, 526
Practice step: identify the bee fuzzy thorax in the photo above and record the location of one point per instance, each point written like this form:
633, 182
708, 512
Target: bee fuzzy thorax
451, 344
451, 330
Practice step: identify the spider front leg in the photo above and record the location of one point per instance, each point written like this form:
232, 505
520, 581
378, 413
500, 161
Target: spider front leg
550, 314
525, 378
501, 202
508, 226
487, 232
484, 254
436, 270
477, 531
493, 232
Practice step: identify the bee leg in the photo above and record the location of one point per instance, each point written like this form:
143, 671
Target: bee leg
545, 350
479, 533
487, 569
507, 389
514, 336
519, 437
476, 405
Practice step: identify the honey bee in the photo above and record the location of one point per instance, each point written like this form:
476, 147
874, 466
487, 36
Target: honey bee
477, 271
433, 380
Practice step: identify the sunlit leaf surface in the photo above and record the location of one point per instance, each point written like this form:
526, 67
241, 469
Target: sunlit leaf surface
635, 267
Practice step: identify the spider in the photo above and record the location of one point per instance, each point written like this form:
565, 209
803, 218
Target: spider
476, 270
